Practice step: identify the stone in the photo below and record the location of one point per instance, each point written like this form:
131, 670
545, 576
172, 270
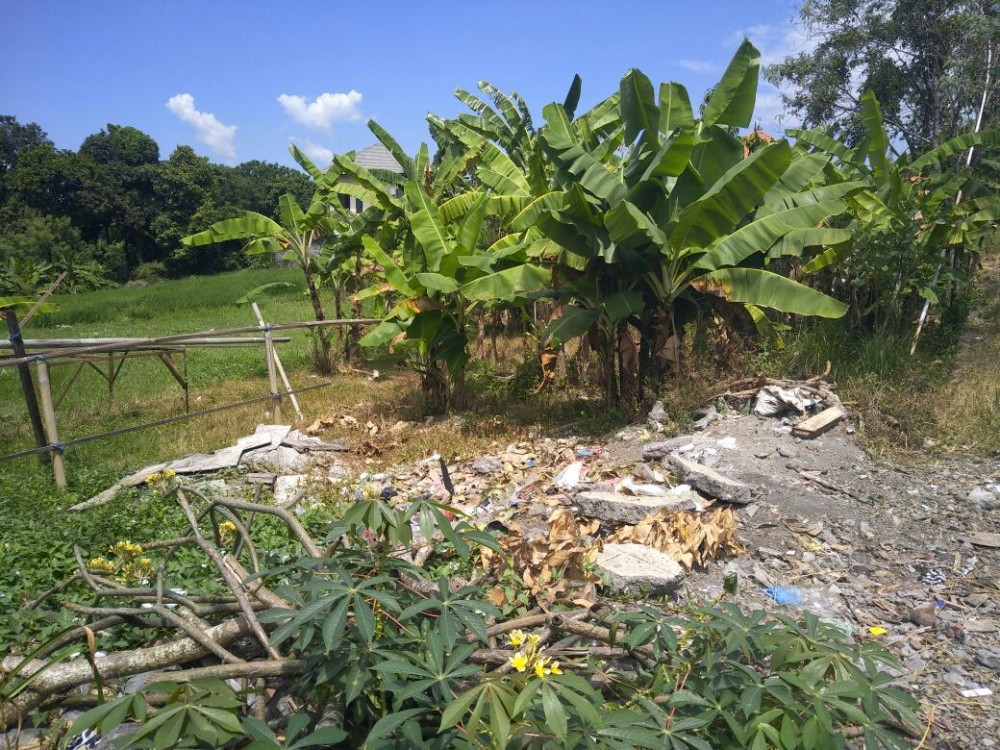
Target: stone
711, 414
657, 417
487, 465
630, 509
915, 664
976, 600
709, 481
633, 568
988, 659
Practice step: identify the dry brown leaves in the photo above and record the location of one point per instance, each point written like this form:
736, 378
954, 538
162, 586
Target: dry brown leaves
549, 564
688, 537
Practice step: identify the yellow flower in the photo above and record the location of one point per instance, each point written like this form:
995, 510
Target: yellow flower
543, 668
126, 549
533, 639
227, 529
516, 638
519, 661
101, 564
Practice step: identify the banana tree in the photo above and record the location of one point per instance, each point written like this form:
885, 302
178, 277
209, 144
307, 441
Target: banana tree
441, 277
677, 216
297, 239
909, 215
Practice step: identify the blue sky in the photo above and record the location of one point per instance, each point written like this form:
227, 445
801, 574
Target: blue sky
242, 80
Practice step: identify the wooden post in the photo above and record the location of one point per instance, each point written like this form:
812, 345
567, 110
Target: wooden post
49, 413
278, 365
272, 376
27, 384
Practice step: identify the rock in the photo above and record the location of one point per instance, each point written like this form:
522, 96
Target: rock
976, 600
915, 664
955, 679
988, 659
983, 498
658, 417
657, 450
923, 616
645, 473
636, 567
707, 416
786, 451
709, 481
487, 465
630, 509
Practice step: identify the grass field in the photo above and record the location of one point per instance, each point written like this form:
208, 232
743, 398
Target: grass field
145, 390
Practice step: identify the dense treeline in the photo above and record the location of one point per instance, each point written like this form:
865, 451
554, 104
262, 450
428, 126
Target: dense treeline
114, 211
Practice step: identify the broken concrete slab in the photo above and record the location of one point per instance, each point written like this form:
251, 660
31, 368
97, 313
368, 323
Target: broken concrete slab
280, 460
661, 448
302, 443
709, 481
630, 509
632, 568
276, 432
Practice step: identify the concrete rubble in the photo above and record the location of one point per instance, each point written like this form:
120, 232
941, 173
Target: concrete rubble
904, 553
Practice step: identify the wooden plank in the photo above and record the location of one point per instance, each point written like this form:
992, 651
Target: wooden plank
819, 423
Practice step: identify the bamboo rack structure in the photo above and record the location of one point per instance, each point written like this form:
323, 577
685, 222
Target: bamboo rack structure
84, 350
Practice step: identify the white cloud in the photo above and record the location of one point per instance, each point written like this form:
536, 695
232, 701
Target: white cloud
698, 66
324, 111
208, 129
321, 155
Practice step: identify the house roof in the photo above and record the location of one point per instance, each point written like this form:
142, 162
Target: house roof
377, 156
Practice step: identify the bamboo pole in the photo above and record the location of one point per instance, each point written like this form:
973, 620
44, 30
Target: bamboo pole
272, 377
27, 384
186, 338
278, 365
49, 413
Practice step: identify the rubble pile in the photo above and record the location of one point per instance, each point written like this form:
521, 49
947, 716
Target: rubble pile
769, 486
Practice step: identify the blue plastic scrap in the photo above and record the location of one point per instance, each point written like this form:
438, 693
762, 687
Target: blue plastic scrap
783, 595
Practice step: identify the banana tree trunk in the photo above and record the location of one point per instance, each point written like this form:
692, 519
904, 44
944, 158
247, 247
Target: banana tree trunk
324, 356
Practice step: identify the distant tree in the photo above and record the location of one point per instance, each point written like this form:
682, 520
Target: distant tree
927, 61
257, 186
15, 139
46, 247
121, 145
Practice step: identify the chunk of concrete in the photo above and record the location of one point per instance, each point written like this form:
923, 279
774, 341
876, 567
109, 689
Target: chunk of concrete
709, 481
632, 568
630, 509
661, 448
287, 487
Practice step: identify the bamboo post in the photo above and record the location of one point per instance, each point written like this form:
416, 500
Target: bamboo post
45, 388
278, 365
272, 376
27, 384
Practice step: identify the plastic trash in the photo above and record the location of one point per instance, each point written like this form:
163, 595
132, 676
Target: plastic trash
783, 595
821, 603
570, 476
584, 452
